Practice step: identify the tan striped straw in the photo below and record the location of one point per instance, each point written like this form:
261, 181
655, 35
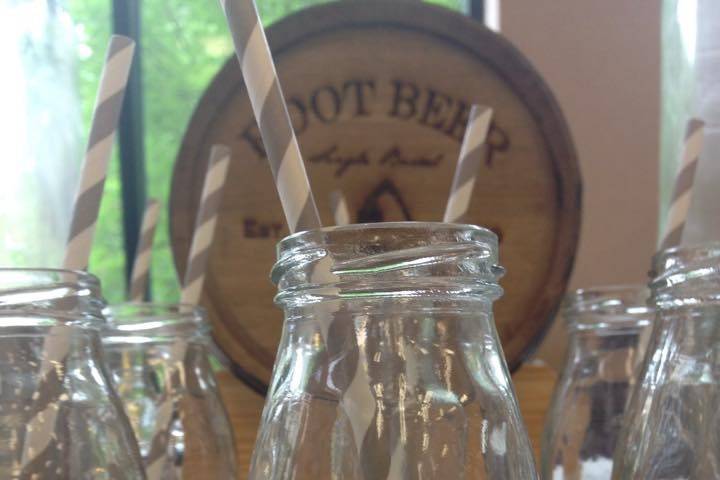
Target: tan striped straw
205, 222
271, 113
159, 462
143, 254
97, 155
339, 208
39, 429
468, 163
682, 192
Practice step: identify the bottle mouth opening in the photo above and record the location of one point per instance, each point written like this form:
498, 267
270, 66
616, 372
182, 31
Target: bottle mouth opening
145, 321
49, 297
608, 307
687, 276
673, 256
393, 259
41, 323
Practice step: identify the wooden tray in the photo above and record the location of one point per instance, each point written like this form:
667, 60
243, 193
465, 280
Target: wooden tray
378, 93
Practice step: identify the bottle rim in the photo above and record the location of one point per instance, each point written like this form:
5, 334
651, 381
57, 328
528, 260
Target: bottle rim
144, 321
608, 307
79, 276
686, 276
388, 259
286, 242
320, 236
47, 297
668, 260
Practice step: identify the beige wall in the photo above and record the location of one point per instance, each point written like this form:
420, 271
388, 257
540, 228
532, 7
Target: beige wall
602, 60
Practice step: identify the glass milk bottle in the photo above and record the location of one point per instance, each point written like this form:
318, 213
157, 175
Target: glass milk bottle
59, 416
389, 365
672, 428
609, 328
158, 360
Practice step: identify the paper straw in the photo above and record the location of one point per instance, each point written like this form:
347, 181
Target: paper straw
339, 208
40, 428
682, 192
159, 462
271, 113
100, 143
205, 224
141, 266
468, 163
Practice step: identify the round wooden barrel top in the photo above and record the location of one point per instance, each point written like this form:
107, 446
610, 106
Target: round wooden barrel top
379, 94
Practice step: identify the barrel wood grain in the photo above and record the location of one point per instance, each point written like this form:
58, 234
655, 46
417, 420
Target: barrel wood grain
379, 93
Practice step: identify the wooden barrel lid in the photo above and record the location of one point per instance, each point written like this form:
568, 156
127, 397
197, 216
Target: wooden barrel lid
379, 93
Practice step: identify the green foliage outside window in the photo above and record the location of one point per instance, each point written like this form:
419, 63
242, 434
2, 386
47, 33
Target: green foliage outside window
184, 43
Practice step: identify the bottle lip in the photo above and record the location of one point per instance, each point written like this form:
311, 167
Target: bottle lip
608, 307
711, 246
674, 257
11, 277
365, 262
145, 321
686, 276
309, 240
318, 233
46, 297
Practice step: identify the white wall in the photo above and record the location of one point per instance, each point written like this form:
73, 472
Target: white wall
602, 61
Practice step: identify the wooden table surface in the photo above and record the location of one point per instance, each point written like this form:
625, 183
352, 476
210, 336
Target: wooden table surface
533, 385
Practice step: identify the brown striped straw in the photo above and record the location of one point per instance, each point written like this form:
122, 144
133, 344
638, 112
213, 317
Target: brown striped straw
158, 463
40, 428
339, 208
143, 254
99, 148
468, 163
682, 192
205, 222
271, 113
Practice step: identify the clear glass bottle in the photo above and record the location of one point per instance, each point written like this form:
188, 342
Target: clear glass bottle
609, 328
59, 416
389, 365
672, 428
158, 360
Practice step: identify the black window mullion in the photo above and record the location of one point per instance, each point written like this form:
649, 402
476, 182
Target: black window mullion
126, 21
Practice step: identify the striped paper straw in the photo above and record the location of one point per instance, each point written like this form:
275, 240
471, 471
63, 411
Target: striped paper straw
205, 224
100, 143
339, 207
682, 192
271, 113
160, 463
40, 428
141, 266
468, 163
